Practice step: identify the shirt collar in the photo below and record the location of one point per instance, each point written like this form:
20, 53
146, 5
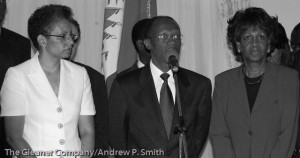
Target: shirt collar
139, 63
156, 72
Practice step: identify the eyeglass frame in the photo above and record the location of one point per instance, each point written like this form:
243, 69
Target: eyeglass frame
66, 37
164, 37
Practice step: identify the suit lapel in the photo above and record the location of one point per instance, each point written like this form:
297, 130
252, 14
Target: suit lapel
265, 88
184, 94
66, 82
40, 81
183, 84
240, 92
148, 96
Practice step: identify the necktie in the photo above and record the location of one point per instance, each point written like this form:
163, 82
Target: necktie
166, 103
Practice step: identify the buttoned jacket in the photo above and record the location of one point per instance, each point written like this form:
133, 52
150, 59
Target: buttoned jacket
269, 130
51, 122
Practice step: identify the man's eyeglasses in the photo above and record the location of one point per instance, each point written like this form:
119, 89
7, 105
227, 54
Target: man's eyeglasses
66, 37
165, 37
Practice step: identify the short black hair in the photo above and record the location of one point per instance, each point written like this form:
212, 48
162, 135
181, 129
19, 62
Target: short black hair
157, 18
281, 39
295, 32
139, 31
244, 19
42, 19
3, 8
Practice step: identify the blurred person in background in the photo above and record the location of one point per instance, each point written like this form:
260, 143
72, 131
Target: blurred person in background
99, 95
295, 46
282, 52
138, 35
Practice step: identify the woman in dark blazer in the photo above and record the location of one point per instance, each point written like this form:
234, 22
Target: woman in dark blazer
255, 106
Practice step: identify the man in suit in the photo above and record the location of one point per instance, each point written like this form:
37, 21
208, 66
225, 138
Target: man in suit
14, 49
99, 95
138, 35
142, 113
295, 46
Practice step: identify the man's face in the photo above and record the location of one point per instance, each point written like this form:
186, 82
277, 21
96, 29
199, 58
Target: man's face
2, 10
295, 43
165, 40
74, 50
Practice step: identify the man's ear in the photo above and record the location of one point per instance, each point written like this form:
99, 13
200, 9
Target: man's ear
139, 43
147, 44
238, 46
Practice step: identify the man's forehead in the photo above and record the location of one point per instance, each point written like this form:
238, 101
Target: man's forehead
164, 25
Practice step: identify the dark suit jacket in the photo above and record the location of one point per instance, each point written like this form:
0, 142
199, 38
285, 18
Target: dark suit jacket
14, 49
101, 104
270, 130
133, 67
135, 120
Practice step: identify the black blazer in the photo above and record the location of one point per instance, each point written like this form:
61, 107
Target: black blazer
101, 104
135, 120
131, 68
14, 49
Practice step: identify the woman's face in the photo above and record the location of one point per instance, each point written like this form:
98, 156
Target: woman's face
254, 45
60, 40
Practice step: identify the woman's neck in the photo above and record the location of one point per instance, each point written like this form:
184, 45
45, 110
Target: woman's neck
49, 65
254, 69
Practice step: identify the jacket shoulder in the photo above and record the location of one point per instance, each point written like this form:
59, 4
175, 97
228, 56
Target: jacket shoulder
227, 74
72, 66
23, 67
193, 76
8, 34
130, 77
91, 71
285, 72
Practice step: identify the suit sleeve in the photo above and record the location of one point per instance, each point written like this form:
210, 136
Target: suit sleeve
24, 51
87, 102
27, 53
101, 117
203, 117
220, 135
289, 101
118, 122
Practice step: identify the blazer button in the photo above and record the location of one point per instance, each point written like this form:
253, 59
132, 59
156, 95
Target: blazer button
250, 133
61, 141
59, 109
60, 126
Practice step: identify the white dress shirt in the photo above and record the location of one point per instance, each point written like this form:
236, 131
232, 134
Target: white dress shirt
139, 63
158, 81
